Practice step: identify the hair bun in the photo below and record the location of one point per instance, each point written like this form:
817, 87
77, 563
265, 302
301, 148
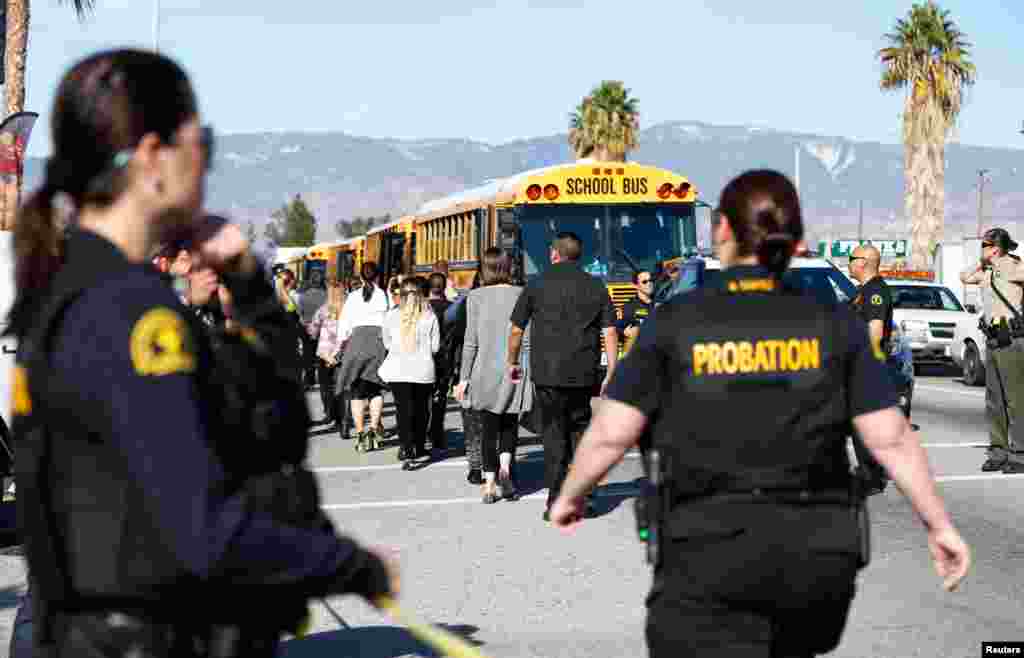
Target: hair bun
775, 251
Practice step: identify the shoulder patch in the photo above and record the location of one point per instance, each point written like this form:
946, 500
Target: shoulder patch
161, 344
21, 402
876, 300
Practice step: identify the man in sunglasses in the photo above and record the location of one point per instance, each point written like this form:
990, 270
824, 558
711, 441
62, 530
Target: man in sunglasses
1001, 277
636, 310
873, 304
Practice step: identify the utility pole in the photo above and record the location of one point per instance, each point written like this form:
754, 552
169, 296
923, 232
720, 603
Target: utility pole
796, 157
982, 173
860, 221
156, 26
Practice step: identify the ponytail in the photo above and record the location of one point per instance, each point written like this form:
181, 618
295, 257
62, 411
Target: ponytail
367, 290
368, 272
775, 251
38, 252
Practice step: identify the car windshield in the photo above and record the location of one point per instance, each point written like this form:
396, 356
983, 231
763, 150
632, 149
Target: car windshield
618, 239
825, 283
931, 298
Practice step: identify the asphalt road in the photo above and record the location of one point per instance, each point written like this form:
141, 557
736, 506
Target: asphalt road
499, 576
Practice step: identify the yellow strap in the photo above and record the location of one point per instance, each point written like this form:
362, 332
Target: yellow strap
441, 640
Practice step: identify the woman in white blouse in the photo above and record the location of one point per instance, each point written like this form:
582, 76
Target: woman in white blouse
412, 337
360, 326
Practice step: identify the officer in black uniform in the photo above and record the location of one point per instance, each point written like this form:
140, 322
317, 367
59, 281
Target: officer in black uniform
873, 304
143, 534
636, 310
750, 388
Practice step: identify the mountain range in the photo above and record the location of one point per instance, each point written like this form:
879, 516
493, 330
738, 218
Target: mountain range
342, 175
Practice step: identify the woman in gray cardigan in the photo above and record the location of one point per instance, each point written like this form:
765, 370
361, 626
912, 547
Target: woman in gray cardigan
484, 380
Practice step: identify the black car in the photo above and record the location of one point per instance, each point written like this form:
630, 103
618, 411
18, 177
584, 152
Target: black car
820, 278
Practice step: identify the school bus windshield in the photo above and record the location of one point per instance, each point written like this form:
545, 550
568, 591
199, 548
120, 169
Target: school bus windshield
617, 238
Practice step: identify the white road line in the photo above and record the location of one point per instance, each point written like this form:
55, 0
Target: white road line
982, 476
330, 470
954, 445
626, 492
939, 389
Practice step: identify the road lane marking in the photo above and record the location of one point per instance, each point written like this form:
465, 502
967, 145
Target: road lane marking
543, 494
939, 389
621, 492
954, 445
981, 476
330, 470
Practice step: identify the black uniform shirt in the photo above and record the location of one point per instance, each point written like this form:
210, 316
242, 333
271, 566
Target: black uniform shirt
874, 302
568, 309
743, 379
634, 312
132, 360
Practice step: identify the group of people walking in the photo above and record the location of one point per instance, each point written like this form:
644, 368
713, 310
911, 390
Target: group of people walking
423, 347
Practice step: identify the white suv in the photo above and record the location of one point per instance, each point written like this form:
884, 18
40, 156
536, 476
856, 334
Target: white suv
928, 315
968, 350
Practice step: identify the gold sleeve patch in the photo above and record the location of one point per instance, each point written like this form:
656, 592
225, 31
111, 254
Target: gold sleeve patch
876, 300
21, 402
161, 344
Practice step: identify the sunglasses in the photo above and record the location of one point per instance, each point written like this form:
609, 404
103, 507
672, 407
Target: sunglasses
207, 141
643, 281
853, 258
986, 245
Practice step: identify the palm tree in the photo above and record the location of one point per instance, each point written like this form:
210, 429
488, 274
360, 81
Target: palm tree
927, 57
605, 124
15, 61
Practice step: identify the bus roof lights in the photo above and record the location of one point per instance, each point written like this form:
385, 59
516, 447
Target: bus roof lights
533, 192
665, 191
550, 191
682, 190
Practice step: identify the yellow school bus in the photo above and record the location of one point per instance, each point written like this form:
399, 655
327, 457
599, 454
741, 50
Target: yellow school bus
629, 216
393, 247
337, 260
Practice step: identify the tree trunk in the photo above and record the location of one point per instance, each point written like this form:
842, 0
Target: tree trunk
15, 61
924, 178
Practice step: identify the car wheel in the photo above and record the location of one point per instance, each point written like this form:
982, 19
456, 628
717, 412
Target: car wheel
974, 371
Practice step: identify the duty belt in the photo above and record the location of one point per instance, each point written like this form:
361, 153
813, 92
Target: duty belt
788, 496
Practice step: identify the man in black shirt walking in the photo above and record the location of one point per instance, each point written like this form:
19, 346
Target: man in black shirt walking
873, 304
570, 311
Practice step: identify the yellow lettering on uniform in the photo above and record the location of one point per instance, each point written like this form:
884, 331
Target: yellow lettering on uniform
700, 358
812, 354
763, 361
714, 359
747, 357
793, 352
744, 357
729, 358
21, 402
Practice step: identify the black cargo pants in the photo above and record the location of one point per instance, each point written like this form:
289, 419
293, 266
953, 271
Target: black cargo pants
564, 414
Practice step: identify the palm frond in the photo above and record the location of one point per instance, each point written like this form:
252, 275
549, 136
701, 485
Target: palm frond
81, 7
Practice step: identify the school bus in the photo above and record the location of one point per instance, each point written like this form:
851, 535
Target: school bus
393, 247
629, 216
291, 258
316, 261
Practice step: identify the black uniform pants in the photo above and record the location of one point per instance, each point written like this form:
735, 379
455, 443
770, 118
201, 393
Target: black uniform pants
412, 406
780, 587
325, 375
565, 413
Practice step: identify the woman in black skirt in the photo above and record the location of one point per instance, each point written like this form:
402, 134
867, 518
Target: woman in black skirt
360, 330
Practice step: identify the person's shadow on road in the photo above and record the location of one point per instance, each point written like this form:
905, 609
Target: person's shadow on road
369, 642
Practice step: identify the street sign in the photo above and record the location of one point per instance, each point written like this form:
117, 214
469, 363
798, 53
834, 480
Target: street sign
890, 248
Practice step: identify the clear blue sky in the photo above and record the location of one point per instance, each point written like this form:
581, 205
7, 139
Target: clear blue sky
506, 69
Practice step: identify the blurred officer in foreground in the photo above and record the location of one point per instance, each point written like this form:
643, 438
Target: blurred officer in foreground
1001, 277
873, 304
142, 536
750, 388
